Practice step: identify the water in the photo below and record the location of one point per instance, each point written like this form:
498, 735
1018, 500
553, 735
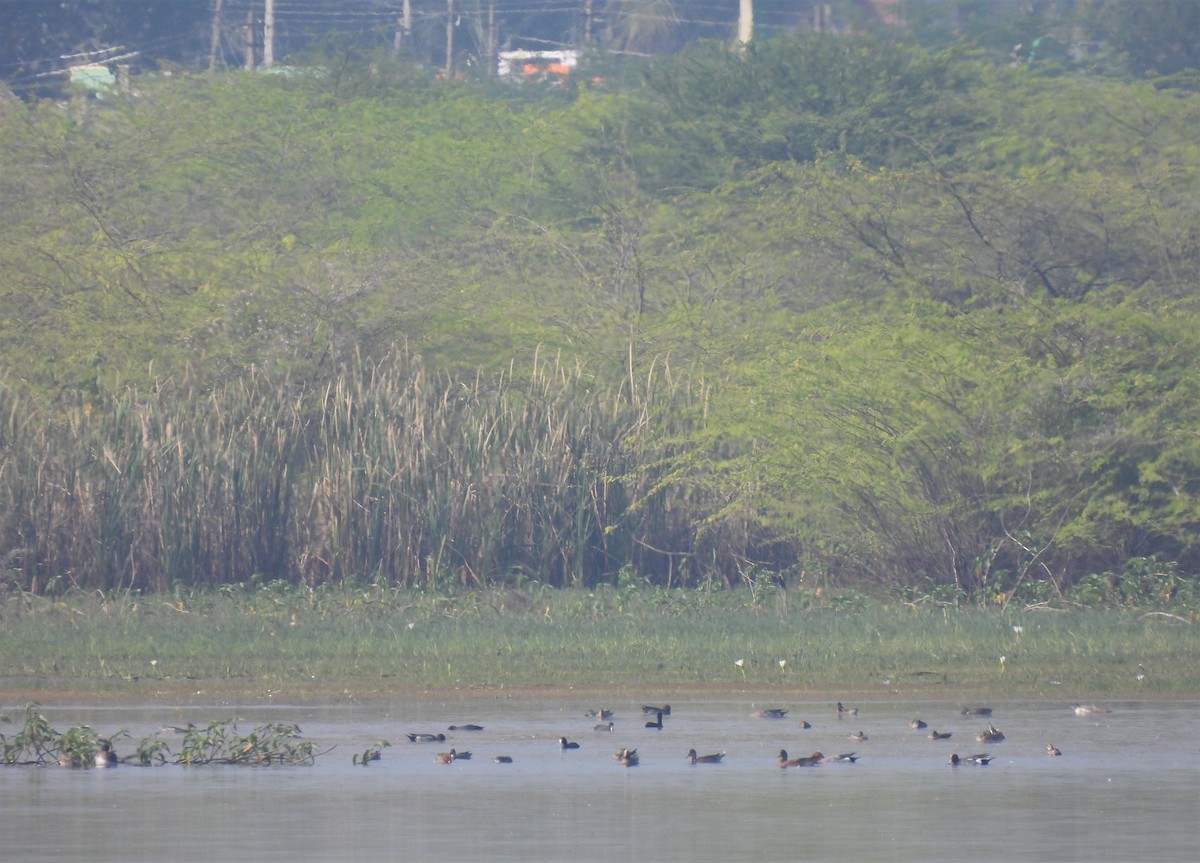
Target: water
1126, 787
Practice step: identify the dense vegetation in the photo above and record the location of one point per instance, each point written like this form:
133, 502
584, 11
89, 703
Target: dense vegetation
289, 643
834, 308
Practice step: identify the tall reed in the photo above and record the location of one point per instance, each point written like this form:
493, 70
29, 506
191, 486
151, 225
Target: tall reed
385, 472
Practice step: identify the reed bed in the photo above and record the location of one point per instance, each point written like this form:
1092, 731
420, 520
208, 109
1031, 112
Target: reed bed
279, 641
385, 473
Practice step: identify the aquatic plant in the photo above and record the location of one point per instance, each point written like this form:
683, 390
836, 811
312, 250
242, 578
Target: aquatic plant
388, 473
38, 743
374, 752
35, 743
219, 742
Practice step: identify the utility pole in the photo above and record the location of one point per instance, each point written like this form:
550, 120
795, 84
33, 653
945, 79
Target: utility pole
404, 30
492, 38
215, 45
268, 33
449, 37
250, 34
822, 18
745, 22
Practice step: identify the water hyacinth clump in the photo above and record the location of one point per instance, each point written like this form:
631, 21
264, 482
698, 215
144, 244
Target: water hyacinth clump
219, 742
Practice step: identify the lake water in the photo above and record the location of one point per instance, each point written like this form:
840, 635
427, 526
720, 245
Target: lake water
1126, 787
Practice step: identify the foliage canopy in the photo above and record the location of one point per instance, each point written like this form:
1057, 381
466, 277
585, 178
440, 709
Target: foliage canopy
830, 304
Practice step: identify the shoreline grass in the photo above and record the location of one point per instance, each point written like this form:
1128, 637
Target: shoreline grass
277, 642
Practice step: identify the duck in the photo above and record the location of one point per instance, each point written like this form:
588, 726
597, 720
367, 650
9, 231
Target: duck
857, 737
177, 729
769, 713
603, 727
939, 735
991, 734
1051, 749
843, 710
563, 743
805, 725
1089, 710
657, 724
845, 758
918, 724
65, 761
445, 757
976, 711
982, 759
600, 714
627, 757
106, 757
503, 759
468, 727
715, 758
805, 761
650, 709
426, 738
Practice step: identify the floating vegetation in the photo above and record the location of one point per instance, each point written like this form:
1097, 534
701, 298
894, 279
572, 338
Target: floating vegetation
373, 752
219, 742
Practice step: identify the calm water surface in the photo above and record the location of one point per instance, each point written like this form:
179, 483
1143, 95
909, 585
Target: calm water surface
1126, 787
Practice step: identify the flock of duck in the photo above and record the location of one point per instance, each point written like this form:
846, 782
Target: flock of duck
628, 757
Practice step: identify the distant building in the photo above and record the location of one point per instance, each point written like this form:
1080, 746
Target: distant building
93, 77
536, 64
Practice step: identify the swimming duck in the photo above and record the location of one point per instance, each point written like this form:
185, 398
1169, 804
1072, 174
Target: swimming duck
805, 725
715, 758
503, 759
1051, 749
976, 711
426, 738
918, 724
845, 758
603, 727
769, 713
563, 743
857, 737
445, 757
106, 757
657, 724
843, 710
65, 761
939, 735
177, 729
1089, 710
650, 710
627, 757
806, 761
991, 734
982, 759
465, 728
600, 714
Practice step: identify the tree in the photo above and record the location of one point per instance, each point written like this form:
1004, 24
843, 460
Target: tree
1155, 37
